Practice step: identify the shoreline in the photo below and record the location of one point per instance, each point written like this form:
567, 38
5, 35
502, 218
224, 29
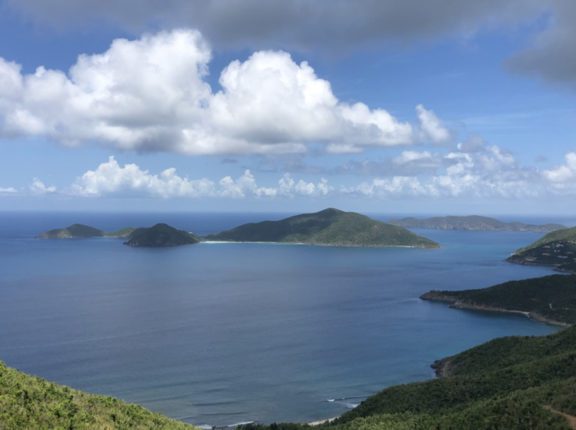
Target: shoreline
331, 245
455, 303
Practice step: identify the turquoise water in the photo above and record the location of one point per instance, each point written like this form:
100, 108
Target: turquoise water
223, 333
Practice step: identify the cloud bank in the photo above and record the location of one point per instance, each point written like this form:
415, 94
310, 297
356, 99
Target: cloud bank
112, 179
336, 26
479, 171
266, 104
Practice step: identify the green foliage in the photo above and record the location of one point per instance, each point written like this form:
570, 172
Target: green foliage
472, 223
549, 297
160, 236
28, 402
72, 231
514, 383
327, 227
557, 249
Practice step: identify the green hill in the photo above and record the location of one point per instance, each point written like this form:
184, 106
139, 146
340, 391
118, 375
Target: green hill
513, 383
557, 249
327, 227
473, 223
72, 231
81, 231
550, 298
28, 402
160, 236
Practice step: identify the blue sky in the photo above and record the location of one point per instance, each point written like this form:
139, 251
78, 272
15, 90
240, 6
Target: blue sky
258, 105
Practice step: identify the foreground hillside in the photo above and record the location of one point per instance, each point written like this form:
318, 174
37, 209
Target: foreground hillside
27, 402
513, 383
473, 223
549, 298
327, 227
557, 249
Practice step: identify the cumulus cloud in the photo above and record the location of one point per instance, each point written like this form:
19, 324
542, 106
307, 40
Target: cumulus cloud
563, 178
431, 126
267, 103
112, 179
487, 172
39, 188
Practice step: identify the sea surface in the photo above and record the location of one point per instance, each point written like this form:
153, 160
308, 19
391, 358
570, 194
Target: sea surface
216, 334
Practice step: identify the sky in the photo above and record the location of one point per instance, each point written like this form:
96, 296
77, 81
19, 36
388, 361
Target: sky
419, 106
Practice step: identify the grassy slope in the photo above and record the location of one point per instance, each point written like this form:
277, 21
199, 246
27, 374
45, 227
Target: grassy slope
551, 297
328, 227
509, 384
28, 402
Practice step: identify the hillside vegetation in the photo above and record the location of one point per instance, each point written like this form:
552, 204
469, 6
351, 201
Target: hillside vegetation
549, 298
327, 227
82, 231
473, 223
513, 383
557, 249
28, 402
160, 236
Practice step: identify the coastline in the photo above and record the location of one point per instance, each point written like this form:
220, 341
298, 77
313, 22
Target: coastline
455, 303
332, 245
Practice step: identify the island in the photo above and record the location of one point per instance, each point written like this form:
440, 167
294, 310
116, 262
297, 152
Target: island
556, 249
160, 236
328, 227
550, 299
82, 231
29, 402
472, 223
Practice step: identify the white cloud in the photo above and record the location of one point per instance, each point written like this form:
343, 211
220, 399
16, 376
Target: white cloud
487, 172
112, 179
431, 126
563, 177
8, 190
38, 187
267, 103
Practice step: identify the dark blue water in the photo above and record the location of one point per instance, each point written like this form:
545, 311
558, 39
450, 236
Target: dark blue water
223, 333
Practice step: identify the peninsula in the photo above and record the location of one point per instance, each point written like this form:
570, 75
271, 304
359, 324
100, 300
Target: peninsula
556, 249
472, 223
550, 299
160, 236
328, 227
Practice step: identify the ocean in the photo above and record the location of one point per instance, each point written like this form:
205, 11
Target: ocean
216, 334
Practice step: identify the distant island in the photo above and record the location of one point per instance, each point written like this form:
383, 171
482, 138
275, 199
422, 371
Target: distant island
328, 227
160, 236
472, 223
157, 236
82, 231
556, 249
550, 299
29, 402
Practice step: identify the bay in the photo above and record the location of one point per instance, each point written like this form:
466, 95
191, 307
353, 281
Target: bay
216, 334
